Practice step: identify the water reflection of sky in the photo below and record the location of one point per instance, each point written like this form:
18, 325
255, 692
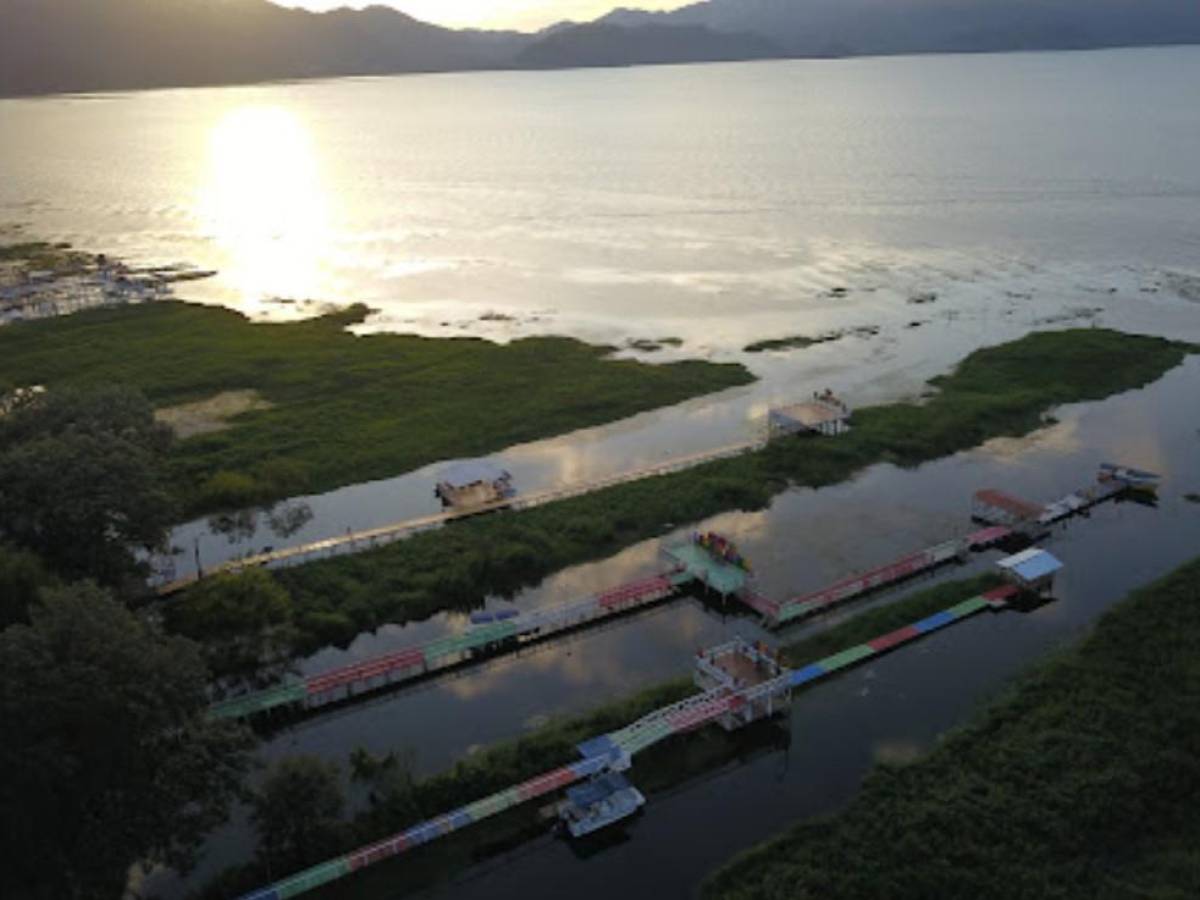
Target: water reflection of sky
807, 538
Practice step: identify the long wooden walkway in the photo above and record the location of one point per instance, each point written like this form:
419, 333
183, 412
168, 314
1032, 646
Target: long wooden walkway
614, 751
505, 635
476, 643
357, 541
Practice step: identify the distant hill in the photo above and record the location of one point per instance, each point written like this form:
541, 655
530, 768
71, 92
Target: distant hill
89, 45
854, 27
68, 45
603, 44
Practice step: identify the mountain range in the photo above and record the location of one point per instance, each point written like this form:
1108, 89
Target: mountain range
49, 46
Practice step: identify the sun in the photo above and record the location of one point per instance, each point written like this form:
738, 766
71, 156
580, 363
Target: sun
263, 203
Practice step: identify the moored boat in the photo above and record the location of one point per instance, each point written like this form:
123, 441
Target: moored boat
601, 802
1135, 479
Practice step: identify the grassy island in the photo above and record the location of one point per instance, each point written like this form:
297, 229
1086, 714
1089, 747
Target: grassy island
1081, 782
307, 406
1002, 390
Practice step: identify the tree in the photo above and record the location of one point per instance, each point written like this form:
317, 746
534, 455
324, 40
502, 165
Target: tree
244, 622
297, 810
83, 483
108, 754
392, 787
22, 576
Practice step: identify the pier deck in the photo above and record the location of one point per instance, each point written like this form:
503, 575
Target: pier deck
370, 538
687, 564
614, 751
479, 642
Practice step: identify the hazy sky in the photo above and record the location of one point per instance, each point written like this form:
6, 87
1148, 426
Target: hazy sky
524, 14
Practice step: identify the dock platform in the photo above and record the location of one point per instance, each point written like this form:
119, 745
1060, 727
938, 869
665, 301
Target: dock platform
614, 751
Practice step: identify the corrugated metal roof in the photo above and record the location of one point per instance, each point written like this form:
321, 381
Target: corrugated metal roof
1007, 502
598, 789
1031, 564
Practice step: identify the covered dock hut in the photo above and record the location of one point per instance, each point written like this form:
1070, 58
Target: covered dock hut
1032, 570
735, 667
473, 483
824, 414
995, 507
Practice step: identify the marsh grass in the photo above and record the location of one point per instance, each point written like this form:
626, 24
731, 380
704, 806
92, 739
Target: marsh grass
342, 409
35, 256
884, 619
661, 768
1000, 391
795, 342
1080, 782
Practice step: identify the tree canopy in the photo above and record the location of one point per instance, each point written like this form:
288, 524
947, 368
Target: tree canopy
108, 754
243, 621
297, 810
82, 481
22, 576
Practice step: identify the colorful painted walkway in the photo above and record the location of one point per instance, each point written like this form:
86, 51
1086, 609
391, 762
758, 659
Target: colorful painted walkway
446, 652
614, 750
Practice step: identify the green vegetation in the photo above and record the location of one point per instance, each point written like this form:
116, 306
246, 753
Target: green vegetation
795, 342
342, 409
1003, 390
242, 621
297, 810
108, 754
885, 619
398, 801
23, 577
1080, 782
1192, 498
40, 256
82, 482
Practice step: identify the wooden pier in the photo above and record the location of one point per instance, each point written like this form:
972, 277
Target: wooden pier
727, 702
370, 538
809, 604
684, 565
474, 644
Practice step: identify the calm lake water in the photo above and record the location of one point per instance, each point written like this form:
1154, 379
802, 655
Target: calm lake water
895, 707
718, 204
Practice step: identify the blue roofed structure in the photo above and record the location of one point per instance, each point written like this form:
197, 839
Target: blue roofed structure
600, 788
1031, 569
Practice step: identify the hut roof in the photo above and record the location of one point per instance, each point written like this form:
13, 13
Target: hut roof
472, 471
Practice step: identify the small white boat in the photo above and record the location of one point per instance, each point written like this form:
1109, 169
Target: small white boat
1134, 478
601, 802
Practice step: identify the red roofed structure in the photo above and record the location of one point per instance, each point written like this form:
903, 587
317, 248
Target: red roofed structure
998, 508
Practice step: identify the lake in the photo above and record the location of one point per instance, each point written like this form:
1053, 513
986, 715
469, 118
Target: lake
716, 203
923, 206
719, 204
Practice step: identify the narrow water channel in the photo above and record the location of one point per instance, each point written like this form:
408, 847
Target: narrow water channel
882, 358
898, 705
891, 708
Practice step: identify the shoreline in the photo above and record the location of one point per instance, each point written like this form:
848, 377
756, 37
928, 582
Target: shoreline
96, 92
458, 568
508, 762
1100, 716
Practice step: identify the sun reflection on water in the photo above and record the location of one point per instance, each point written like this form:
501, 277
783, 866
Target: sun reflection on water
264, 205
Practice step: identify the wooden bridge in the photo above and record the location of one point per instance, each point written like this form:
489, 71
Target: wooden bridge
615, 750
370, 538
